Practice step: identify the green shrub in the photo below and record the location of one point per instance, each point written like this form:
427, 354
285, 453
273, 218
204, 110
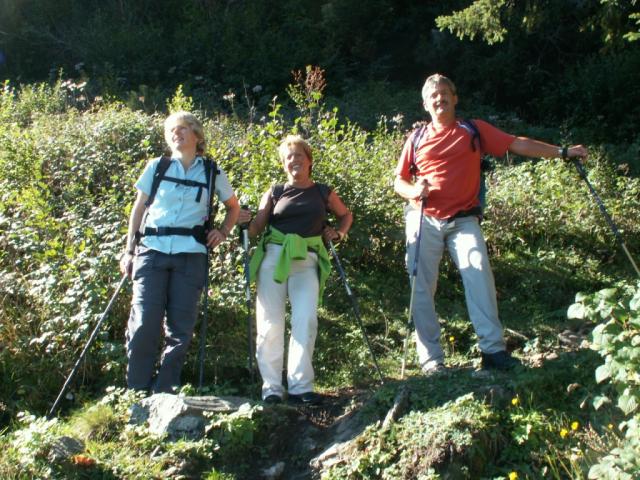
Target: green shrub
616, 338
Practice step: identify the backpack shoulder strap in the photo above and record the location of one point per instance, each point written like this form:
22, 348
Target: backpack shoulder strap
471, 127
211, 171
158, 175
276, 192
416, 138
325, 191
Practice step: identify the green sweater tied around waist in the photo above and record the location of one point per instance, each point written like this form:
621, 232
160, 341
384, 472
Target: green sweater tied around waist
294, 247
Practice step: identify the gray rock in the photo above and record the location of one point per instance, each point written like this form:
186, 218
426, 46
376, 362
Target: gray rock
65, 447
180, 417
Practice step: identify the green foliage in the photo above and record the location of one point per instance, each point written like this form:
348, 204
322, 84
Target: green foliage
235, 434
180, 102
481, 17
415, 447
617, 338
633, 36
66, 179
115, 449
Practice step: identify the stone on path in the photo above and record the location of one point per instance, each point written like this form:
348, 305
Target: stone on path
181, 417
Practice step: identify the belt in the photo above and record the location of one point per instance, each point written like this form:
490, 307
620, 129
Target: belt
197, 232
472, 212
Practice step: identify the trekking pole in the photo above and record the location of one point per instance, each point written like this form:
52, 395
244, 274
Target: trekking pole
605, 214
92, 338
244, 237
205, 292
356, 309
414, 275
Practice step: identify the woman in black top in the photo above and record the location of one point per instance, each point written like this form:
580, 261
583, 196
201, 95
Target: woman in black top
291, 260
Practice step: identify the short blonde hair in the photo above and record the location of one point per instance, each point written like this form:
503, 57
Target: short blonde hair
291, 140
190, 120
434, 80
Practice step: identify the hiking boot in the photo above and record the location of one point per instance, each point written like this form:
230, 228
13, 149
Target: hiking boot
436, 369
499, 361
306, 398
272, 400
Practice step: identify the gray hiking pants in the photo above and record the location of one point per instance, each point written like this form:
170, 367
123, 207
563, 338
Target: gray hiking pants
166, 289
463, 238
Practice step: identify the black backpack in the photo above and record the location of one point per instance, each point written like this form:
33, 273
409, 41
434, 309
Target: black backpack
199, 232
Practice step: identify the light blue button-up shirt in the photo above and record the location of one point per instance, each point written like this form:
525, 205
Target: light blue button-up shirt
175, 205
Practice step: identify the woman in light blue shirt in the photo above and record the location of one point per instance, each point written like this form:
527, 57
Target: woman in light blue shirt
168, 266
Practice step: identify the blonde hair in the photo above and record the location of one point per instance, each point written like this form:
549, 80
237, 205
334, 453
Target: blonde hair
191, 121
434, 80
291, 140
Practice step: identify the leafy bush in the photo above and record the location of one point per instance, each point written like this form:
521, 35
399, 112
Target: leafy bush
617, 338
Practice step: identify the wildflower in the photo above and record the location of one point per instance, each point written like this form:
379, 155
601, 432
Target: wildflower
452, 338
515, 401
610, 426
397, 119
513, 476
229, 97
575, 426
563, 433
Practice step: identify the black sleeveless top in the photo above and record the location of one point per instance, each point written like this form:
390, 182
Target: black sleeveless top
300, 210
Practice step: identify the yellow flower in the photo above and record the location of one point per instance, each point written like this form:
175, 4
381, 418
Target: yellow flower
610, 426
513, 476
515, 401
575, 426
564, 432
452, 338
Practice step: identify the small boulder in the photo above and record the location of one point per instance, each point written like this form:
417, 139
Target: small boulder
64, 448
180, 417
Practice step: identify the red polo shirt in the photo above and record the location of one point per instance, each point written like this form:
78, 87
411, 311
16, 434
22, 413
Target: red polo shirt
446, 159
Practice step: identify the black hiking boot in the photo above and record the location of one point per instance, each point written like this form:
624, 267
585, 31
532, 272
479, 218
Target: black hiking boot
499, 361
272, 400
306, 398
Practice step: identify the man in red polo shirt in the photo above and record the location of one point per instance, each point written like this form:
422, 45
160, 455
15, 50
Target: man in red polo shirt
447, 175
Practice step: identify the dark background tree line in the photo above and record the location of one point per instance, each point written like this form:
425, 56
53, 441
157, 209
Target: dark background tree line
548, 61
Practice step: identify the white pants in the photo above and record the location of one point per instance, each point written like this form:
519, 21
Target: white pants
303, 288
463, 238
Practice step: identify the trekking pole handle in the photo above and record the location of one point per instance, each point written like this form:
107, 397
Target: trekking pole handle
245, 225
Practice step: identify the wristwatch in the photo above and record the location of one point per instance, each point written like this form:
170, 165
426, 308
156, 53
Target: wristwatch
563, 152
